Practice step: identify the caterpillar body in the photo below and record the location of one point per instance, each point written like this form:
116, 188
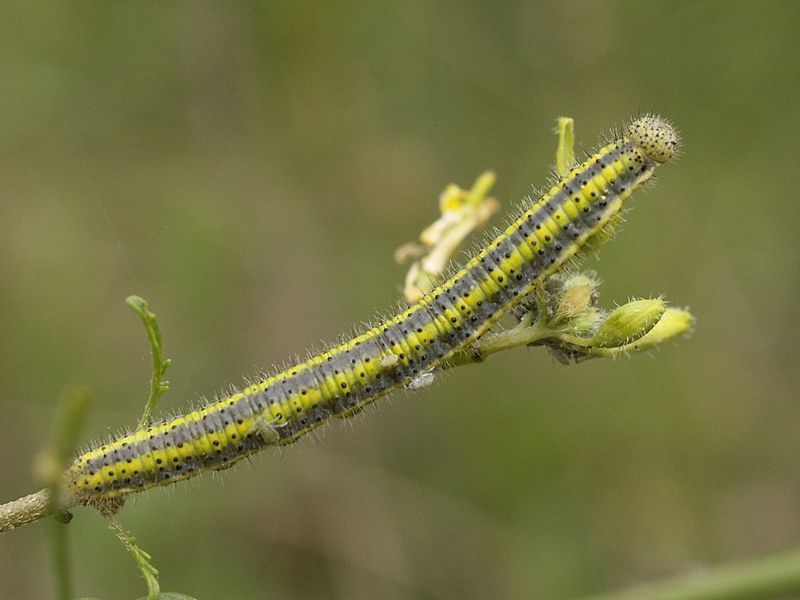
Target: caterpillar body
340, 381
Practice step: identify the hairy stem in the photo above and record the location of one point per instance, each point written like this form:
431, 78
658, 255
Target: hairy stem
142, 558
522, 335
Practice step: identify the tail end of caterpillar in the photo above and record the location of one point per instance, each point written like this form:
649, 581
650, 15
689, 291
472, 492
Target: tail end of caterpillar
656, 136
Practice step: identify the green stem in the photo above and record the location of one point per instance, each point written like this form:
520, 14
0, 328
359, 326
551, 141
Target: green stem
51, 464
60, 559
776, 576
523, 334
142, 558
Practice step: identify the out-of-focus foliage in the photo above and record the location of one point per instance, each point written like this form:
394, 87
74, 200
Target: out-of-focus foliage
249, 168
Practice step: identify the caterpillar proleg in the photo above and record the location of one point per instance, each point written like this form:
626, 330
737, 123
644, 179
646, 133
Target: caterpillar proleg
399, 352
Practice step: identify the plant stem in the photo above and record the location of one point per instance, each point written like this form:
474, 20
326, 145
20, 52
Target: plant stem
60, 559
22, 511
142, 558
775, 576
523, 334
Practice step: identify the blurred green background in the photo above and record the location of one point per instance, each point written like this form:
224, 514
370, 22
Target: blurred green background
249, 168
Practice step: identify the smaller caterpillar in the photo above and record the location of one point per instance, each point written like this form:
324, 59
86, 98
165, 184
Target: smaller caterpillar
398, 352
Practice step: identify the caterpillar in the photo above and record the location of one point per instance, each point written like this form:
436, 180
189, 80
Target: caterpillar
340, 381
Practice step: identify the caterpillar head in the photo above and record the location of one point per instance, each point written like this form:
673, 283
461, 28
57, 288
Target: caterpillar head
656, 136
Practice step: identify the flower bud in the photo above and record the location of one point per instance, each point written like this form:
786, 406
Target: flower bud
586, 322
674, 322
629, 323
578, 294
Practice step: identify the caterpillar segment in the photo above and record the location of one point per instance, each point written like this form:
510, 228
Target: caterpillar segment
340, 381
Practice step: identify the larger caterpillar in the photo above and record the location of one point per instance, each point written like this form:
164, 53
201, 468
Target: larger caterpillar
340, 381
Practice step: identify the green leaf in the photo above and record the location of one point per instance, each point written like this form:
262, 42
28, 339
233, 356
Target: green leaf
160, 364
565, 153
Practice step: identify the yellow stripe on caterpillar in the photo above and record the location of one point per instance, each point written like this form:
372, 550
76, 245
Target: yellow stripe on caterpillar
399, 352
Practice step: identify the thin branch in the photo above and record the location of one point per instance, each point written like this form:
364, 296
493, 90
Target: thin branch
28, 509
142, 558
